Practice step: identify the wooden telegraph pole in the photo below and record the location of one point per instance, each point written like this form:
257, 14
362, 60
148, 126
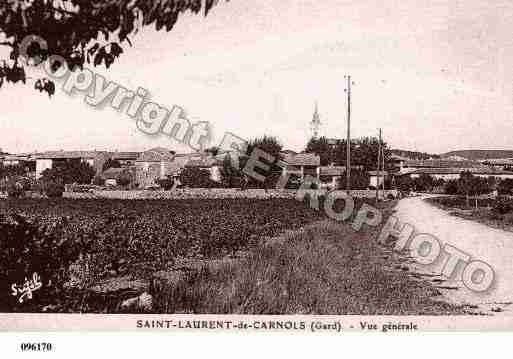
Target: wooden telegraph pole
348, 144
378, 173
383, 165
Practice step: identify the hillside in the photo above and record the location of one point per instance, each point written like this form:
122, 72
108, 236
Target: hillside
480, 154
414, 155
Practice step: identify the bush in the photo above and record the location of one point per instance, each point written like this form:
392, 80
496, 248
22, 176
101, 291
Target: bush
70, 172
506, 186
359, 180
503, 206
14, 189
124, 179
294, 182
194, 177
31, 247
166, 184
451, 187
423, 183
53, 189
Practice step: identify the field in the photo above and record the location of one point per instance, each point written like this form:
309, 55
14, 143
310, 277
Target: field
496, 213
202, 256
115, 237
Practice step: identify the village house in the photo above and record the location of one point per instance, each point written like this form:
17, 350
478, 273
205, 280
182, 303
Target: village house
211, 164
500, 163
26, 160
302, 164
454, 173
49, 159
125, 159
330, 176
377, 178
411, 166
154, 164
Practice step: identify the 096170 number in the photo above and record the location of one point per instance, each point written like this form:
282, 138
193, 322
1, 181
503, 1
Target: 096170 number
36, 347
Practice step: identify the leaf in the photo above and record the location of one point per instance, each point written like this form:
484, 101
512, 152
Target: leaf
45, 85
115, 49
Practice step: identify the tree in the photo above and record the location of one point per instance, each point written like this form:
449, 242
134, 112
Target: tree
231, 173
213, 151
165, 183
69, 172
269, 144
81, 31
451, 187
424, 183
11, 171
404, 183
506, 186
125, 178
195, 177
359, 180
322, 148
364, 153
272, 146
110, 163
470, 185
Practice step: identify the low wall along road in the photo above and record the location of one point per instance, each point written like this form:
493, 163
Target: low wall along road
195, 193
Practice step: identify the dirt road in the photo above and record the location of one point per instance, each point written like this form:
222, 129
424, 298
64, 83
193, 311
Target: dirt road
481, 242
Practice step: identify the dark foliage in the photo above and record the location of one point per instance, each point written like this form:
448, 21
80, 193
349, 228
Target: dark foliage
423, 183
364, 153
503, 206
82, 32
28, 247
166, 183
194, 177
147, 235
110, 163
359, 180
505, 186
53, 189
14, 188
69, 172
321, 148
451, 187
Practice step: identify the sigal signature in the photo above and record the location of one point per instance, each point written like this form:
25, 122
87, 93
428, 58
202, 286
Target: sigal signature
25, 290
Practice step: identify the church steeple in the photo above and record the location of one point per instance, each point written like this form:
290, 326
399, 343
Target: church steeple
315, 124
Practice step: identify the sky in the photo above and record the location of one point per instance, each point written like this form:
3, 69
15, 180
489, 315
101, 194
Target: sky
433, 74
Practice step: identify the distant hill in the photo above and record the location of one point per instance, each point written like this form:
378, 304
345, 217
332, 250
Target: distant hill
414, 155
475, 155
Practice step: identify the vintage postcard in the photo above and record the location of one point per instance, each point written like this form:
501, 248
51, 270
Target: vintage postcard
256, 166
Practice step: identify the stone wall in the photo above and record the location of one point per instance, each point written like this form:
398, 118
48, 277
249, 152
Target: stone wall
195, 193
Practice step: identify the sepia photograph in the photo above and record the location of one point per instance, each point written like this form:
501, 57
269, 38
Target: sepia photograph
256, 165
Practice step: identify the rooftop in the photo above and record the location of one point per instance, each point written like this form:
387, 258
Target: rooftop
67, 154
157, 154
332, 170
442, 171
125, 155
302, 159
442, 164
499, 162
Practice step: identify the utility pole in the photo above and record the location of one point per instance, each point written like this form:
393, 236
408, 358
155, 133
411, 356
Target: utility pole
348, 144
383, 165
378, 173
